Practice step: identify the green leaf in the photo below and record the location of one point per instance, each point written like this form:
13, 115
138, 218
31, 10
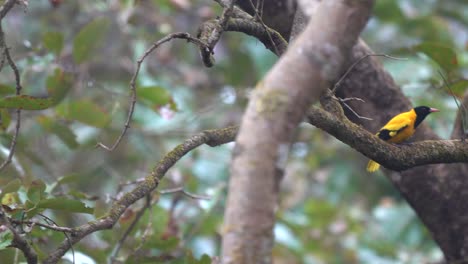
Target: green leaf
61, 131
205, 259
58, 85
162, 244
5, 119
6, 90
5, 239
190, 259
11, 186
444, 56
25, 102
154, 96
36, 191
62, 180
90, 39
78, 194
64, 204
31, 210
459, 87
388, 11
84, 111
53, 41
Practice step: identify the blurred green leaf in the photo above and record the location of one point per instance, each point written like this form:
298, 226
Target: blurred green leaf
36, 191
11, 201
154, 96
40, 253
74, 177
11, 186
427, 28
90, 39
78, 194
58, 85
64, 179
25, 102
443, 55
190, 259
205, 259
84, 111
459, 87
6, 238
6, 90
321, 213
53, 41
5, 119
64, 204
31, 210
388, 11
63, 132
162, 244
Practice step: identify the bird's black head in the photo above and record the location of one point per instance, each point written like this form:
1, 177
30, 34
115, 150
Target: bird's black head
421, 113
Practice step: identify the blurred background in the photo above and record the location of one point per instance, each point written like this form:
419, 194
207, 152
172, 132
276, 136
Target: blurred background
330, 211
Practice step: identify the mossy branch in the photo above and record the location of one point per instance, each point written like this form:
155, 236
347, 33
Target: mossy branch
212, 138
394, 157
210, 32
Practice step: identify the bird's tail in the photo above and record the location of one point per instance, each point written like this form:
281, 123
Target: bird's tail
372, 166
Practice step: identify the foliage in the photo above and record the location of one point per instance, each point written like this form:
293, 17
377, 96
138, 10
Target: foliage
76, 60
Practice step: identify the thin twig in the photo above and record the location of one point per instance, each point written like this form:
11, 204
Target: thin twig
188, 194
337, 84
121, 186
259, 19
344, 100
352, 111
49, 220
127, 232
460, 107
146, 234
133, 96
260, 5
12, 65
47, 226
351, 98
202, 219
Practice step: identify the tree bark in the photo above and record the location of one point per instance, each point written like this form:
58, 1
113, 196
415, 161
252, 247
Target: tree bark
275, 109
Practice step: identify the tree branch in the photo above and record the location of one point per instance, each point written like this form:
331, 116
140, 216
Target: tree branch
133, 92
240, 21
212, 138
16, 73
6, 7
394, 157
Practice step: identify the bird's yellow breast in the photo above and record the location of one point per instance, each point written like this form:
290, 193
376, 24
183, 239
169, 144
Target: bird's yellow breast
399, 128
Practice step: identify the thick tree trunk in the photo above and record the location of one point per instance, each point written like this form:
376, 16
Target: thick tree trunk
276, 107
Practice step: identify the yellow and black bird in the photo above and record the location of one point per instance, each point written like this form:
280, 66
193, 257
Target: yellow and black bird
400, 128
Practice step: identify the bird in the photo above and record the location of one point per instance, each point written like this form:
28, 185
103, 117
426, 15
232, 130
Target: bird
400, 128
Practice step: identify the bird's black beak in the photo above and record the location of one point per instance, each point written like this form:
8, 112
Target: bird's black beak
432, 110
